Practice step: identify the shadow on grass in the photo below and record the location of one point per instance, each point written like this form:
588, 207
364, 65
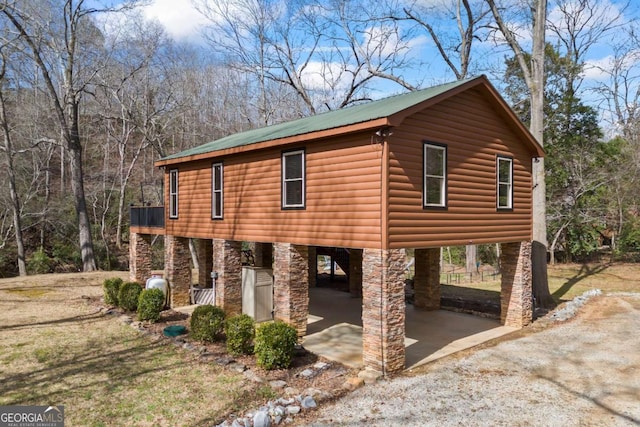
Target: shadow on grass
91, 317
584, 272
107, 370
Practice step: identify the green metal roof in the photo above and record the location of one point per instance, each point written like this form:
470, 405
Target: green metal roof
330, 120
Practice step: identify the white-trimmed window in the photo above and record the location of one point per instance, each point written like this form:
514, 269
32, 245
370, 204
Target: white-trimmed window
217, 191
293, 179
173, 193
504, 176
435, 176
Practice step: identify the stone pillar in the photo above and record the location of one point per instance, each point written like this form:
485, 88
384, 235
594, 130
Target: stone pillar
516, 297
263, 254
426, 282
313, 266
205, 262
227, 263
139, 257
383, 310
177, 269
355, 273
291, 285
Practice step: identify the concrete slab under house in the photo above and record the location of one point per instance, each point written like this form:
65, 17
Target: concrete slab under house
444, 166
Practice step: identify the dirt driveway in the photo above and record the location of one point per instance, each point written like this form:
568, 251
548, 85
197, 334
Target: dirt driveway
583, 372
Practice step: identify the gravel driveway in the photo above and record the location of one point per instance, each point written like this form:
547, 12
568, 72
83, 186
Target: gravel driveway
582, 372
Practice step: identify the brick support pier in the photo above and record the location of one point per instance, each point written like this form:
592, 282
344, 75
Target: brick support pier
383, 310
516, 299
139, 257
355, 273
227, 263
205, 262
177, 269
426, 281
291, 285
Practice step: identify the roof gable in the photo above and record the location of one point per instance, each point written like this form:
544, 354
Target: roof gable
389, 111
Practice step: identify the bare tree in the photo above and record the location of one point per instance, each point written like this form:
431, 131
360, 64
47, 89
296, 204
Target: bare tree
65, 38
9, 152
328, 54
453, 41
534, 78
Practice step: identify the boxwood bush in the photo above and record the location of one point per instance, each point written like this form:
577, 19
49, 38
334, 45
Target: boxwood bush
207, 323
128, 295
150, 304
111, 287
240, 331
274, 344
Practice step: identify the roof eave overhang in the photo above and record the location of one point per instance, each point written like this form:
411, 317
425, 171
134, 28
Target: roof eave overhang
327, 133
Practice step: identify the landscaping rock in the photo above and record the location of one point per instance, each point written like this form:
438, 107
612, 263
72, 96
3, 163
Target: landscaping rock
321, 365
369, 376
293, 409
261, 419
252, 376
278, 384
308, 402
307, 373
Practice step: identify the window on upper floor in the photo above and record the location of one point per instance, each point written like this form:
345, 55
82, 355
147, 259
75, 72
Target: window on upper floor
217, 191
504, 178
293, 179
435, 176
173, 193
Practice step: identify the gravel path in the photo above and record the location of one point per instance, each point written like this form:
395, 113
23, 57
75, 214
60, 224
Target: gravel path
582, 372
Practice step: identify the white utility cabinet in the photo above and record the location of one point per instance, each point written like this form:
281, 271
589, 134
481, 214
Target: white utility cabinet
257, 293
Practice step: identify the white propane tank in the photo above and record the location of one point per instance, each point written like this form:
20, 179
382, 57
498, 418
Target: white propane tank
157, 282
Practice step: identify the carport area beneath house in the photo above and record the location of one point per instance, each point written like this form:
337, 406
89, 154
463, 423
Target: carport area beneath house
334, 330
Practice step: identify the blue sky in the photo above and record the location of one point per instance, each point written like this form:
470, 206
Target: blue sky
184, 23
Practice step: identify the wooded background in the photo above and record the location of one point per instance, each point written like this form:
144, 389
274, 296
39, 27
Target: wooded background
91, 95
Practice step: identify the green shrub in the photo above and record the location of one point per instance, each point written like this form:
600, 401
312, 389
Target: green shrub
207, 323
150, 304
240, 331
275, 344
111, 287
40, 262
128, 295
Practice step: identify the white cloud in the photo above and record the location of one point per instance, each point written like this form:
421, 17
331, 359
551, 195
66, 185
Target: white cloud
179, 18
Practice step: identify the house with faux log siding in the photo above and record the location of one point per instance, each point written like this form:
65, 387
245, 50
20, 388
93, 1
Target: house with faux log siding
444, 166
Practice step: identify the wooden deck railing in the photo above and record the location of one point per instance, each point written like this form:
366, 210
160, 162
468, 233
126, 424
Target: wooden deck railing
147, 216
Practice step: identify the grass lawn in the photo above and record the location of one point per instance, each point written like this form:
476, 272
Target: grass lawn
566, 281
55, 349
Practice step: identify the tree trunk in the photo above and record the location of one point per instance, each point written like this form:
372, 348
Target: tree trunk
541, 295
84, 225
15, 199
471, 258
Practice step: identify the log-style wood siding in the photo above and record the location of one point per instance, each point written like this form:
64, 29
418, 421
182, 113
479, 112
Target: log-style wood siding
347, 203
474, 134
343, 195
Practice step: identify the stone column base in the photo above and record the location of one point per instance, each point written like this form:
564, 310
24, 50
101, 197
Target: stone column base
227, 264
516, 297
139, 257
426, 281
177, 269
291, 285
383, 310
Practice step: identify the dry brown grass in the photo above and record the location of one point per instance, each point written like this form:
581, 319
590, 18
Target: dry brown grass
55, 349
566, 281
